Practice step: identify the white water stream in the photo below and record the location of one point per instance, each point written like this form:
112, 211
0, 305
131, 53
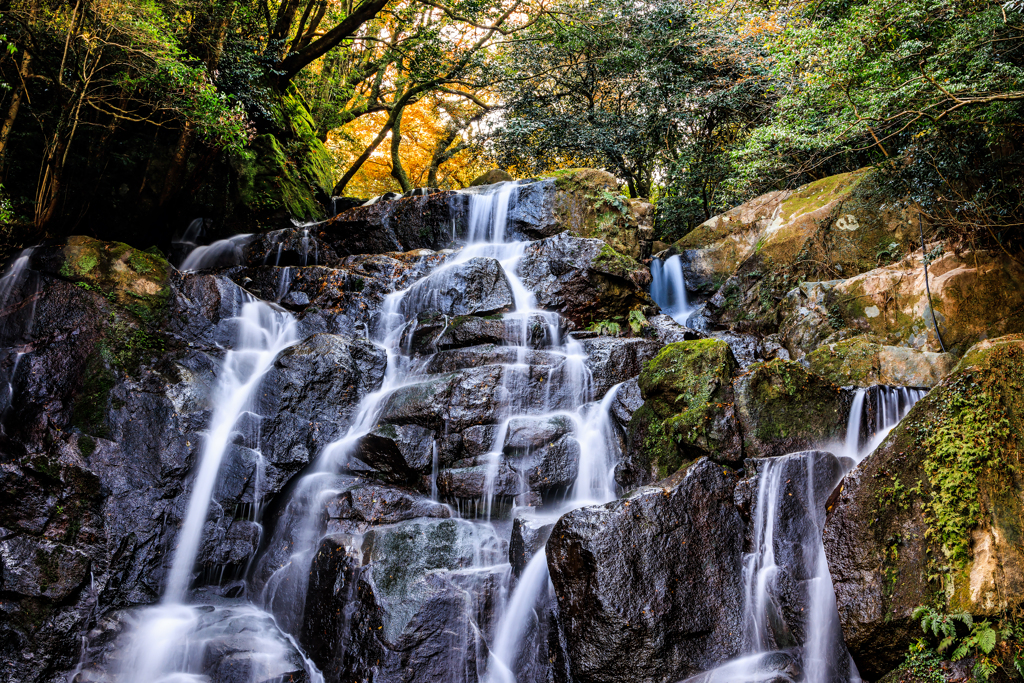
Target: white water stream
668, 288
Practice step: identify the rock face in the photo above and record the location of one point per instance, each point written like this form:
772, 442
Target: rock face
477, 287
783, 408
687, 412
863, 362
583, 279
663, 555
975, 296
934, 511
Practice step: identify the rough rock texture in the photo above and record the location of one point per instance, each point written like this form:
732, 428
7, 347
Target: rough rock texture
288, 247
613, 360
863, 362
477, 287
418, 222
976, 296
408, 621
687, 412
935, 511
583, 279
783, 408
663, 555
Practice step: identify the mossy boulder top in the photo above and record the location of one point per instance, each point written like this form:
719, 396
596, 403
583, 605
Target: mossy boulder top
687, 411
135, 279
863, 361
934, 515
833, 227
783, 407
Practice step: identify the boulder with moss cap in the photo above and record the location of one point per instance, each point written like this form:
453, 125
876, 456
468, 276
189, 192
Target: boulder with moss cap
782, 407
687, 412
863, 362
934, 514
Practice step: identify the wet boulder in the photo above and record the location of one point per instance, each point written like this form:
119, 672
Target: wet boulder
863, 362
687, 411
375, 504
419, 222
613, 360
782, 408
583, 279
529, 534
940, 501
477, 287
409, 620
288, 247
309, 396
664, 555
399, 453
454, 401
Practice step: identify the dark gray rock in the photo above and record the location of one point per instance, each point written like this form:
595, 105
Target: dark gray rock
746, 348
308, 398
288, 247
449, 402
477, 287
613, 360
627, 401
583, 279
665, 555
529, 535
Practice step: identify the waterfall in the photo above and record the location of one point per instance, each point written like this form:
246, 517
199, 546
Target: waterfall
226, 252
782, 640
668, 288
167, 641
261, 334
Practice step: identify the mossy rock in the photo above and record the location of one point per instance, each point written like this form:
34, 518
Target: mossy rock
783, 407
862, 361
136, 280
495, 175
588, 202
935, 516
687, 411
291, 171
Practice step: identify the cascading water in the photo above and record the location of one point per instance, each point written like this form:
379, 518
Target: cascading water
668, 288
167, 642
791, 624
226, 252
284, 570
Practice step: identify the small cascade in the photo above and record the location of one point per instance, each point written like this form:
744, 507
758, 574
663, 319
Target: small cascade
219, 254
668, 288
791, 624
17, 285
167, 641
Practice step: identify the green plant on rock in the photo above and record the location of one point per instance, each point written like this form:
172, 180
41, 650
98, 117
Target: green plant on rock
979, 641
959, 448
637, 321
608, 327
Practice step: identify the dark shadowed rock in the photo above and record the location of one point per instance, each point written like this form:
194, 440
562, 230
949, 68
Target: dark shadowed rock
664, 555
529, 534
583, 279
288, 247
613, 360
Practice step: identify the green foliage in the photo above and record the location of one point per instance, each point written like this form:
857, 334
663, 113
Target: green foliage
637, 321
609, 327
960, 636
959, 447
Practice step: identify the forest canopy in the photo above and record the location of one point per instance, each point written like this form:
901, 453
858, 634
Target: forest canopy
121, 111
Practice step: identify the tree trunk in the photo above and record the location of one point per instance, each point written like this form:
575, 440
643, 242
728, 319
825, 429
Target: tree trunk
397, 171
340, 187
12, 111
178, 162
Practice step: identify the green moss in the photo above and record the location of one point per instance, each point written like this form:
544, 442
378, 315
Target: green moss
784, 407
86, 445
686, 389
850, 362
820, 192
